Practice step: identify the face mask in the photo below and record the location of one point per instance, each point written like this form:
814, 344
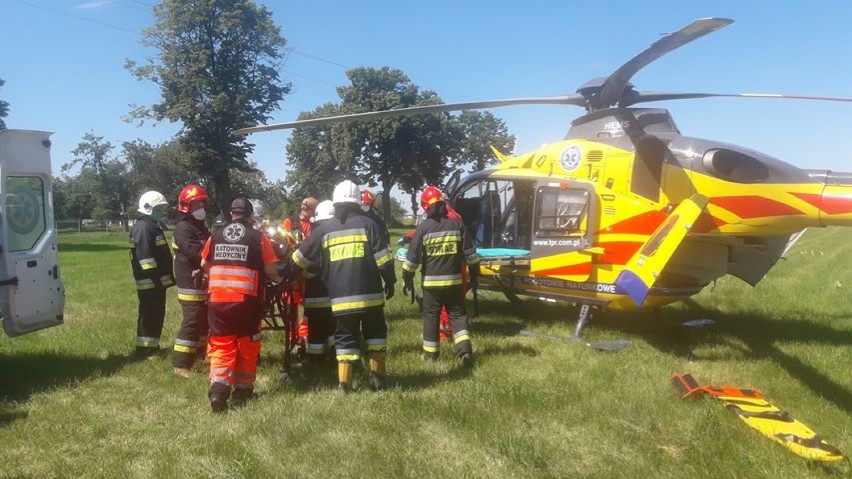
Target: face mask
157, 216
199, 214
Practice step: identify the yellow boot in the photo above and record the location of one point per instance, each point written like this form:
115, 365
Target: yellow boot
377, 369
344, 375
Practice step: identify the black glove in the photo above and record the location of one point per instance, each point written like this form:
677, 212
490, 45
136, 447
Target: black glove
474, 276
288, 271
389, 290
199, 279
407, 282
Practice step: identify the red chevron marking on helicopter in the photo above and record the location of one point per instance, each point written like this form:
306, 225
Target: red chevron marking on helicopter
618, 252
644, 224
707, 222
754, 206
574, 269
831, 204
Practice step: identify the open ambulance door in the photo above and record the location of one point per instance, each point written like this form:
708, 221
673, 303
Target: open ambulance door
31, 293
564, 222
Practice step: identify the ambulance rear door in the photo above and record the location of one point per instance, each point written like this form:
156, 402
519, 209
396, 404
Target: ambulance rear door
31, 293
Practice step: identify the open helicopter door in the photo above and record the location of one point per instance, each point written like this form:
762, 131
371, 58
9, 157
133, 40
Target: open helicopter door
564, 219
31, 293
643, 269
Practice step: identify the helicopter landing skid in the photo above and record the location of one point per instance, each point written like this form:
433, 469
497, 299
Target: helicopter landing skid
583, 320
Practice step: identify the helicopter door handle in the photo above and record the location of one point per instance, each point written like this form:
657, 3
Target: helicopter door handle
13, 281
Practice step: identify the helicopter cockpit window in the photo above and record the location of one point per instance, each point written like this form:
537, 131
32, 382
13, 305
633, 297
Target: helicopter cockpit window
561, 211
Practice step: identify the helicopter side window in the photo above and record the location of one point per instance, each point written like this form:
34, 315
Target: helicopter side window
561, 211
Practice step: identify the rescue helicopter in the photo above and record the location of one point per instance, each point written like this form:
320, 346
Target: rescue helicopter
626, 212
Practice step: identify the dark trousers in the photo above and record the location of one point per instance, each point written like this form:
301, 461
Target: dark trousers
149, 323
451, 297
191, 340
321, 326
371, 324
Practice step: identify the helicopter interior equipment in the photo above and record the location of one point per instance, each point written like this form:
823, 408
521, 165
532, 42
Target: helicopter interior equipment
626, 212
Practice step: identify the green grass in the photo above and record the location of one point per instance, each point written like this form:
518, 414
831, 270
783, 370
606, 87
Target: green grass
72, 404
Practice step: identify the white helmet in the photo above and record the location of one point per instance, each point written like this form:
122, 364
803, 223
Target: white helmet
149, 200
323, 211
346, 192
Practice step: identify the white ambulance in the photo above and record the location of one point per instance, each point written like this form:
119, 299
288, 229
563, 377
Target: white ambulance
31, 293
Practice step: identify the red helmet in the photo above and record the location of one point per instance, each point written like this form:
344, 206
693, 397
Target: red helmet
367, 197
189, 193
429, 197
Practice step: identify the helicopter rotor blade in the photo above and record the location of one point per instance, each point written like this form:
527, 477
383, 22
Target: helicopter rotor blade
634, 97
618, 80
573, 99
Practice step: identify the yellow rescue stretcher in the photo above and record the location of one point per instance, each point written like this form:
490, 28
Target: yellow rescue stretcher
778, 425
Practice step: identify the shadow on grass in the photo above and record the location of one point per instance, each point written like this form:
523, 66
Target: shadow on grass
663, 329
23, 375
89, 247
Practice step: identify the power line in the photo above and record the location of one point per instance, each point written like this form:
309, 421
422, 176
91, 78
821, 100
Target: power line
313, 57
148, 9
78, 17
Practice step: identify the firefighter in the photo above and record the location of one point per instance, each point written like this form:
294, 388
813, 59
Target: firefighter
368, 200
306, 215
439, 244
354, 257
316, 303
151, 261
236, 259
190, 235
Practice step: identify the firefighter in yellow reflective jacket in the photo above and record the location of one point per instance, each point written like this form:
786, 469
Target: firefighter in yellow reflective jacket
440, 244
151, 261
316, 303
351, 251
188, 239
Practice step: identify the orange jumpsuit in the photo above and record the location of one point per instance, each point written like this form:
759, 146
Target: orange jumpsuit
237, 254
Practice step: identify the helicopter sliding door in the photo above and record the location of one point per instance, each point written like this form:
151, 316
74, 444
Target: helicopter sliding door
564, 224
497, 213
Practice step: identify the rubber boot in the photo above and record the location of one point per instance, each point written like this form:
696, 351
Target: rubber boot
241, 396
218, 395
467, 359
430, 356
344, 376
377, 370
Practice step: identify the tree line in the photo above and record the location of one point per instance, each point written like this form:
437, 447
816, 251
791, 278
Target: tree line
217, 66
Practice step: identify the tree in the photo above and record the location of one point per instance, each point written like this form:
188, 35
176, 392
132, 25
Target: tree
73, 197
318, 156
396, 208
166, 168
112, 194
4, 108
482, 130
405, 148
217, 69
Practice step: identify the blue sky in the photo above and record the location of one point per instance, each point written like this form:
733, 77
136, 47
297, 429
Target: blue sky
63, 65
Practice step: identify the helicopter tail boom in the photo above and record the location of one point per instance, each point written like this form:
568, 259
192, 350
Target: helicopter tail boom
834, 202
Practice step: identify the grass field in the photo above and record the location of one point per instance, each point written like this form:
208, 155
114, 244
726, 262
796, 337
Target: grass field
73, 404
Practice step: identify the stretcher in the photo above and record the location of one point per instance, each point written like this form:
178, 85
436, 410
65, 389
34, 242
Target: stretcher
774, 423
281, 313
